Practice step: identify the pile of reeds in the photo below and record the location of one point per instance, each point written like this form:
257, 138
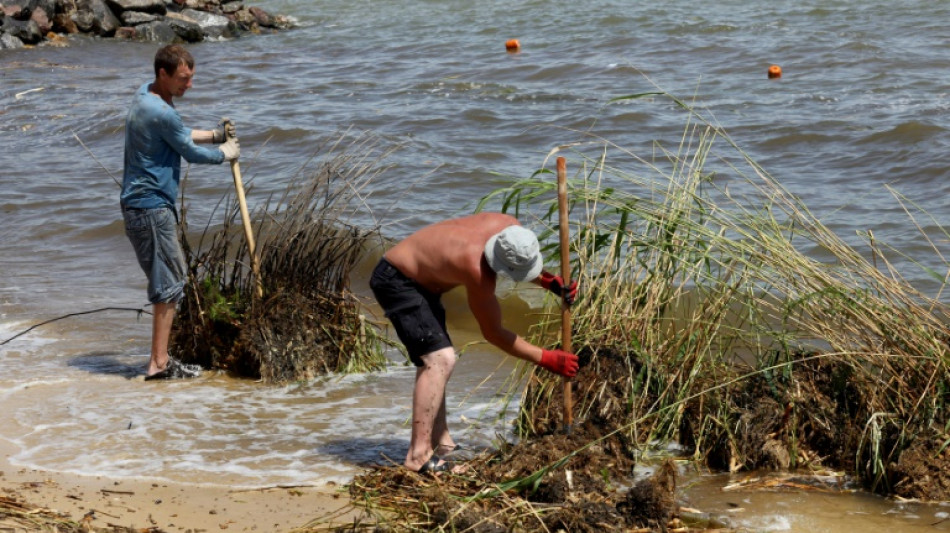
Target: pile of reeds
308, 322
558, 483
751, 332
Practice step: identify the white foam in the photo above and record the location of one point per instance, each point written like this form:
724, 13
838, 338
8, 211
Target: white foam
219, 431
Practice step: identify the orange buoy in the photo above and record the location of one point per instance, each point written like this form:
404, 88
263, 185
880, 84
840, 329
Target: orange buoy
775, 71
512, 45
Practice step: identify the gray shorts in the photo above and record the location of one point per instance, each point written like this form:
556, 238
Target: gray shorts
154, 235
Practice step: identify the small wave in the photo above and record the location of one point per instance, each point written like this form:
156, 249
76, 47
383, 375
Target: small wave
912, 132
796, 140
491, 91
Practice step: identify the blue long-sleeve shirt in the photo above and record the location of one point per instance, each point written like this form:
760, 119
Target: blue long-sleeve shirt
155, 141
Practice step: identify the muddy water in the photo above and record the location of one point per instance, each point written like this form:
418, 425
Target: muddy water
862, 104
808, 510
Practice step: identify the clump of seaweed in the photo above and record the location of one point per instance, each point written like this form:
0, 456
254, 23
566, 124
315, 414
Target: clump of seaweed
307, 322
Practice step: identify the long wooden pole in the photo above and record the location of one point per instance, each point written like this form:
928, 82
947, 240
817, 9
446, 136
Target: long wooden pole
246, 220
566, 276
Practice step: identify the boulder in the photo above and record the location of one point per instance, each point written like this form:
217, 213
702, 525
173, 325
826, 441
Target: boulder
32, 21
41, 18
126, 33
63, 23
83, 19
184, 27
262, 17
158, 31
104, 20
244, 19
48, 6
155, 7
9, 41
213, 26
64, 7
201, 5
231, 7
28, 32
13, 11
134, 18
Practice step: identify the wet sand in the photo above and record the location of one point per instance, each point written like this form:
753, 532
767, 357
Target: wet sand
146, 504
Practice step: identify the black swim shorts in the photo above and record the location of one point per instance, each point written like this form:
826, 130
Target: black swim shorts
416, 313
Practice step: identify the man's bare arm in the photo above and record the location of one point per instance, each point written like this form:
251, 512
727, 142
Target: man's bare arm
202, 136
487, 311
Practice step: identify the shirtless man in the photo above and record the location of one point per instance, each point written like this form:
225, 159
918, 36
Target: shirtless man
408, 283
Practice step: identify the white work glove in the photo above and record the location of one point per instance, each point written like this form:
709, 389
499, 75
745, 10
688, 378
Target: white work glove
223, 132
231, 149
231, 146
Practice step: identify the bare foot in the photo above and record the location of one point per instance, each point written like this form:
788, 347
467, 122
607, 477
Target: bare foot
436, 465
446, 449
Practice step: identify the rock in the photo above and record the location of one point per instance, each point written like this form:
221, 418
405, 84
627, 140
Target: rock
8, 41
213, 26
231, 7
245, 20
12, 11
63, 23
105, 22
155, 7
201, 5
158, 31
28, 32
64, 7
184, 27
283, 22
83, 19
149, 20
134, 18
48, 6
41, 19
262, 17
127, 33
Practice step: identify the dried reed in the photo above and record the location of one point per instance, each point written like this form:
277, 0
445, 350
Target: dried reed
308, 322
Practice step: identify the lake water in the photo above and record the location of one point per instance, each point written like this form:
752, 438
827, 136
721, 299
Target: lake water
862, 105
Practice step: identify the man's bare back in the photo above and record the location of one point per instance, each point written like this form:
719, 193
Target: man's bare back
450, 253
469, 251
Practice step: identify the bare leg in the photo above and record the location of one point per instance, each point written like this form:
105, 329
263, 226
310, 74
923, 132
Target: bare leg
441, 440
163, 314
428, 405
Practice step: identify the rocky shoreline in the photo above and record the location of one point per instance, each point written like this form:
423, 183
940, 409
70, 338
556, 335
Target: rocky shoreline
34, 22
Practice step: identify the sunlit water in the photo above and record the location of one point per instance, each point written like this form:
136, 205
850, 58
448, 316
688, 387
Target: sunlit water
862, 105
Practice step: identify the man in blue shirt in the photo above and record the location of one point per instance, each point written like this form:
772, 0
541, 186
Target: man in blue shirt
155, 141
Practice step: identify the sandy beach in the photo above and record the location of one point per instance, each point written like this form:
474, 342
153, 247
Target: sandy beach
150, 505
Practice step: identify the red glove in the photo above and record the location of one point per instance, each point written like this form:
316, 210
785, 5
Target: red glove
555, 284
559, 362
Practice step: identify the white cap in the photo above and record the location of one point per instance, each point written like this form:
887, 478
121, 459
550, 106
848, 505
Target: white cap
514, 252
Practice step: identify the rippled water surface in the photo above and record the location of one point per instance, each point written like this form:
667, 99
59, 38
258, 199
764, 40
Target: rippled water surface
861, 108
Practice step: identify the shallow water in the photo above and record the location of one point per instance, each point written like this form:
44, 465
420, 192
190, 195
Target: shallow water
861, 106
